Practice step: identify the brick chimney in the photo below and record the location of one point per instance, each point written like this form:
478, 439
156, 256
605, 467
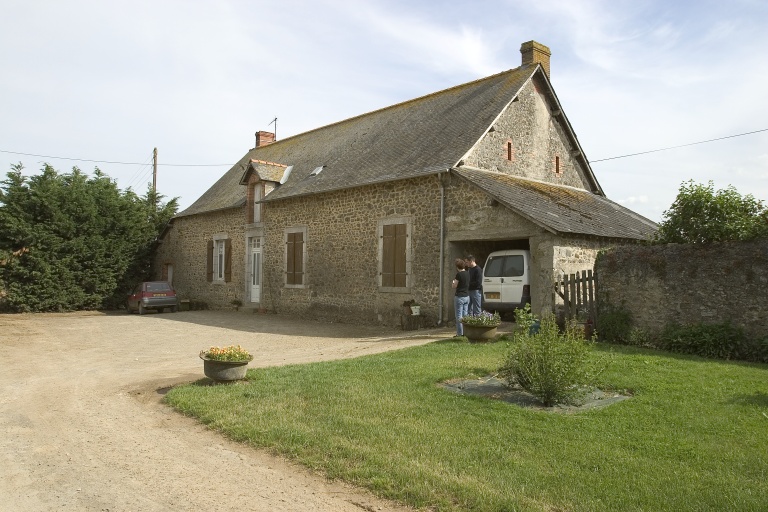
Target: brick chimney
264, 138
536, 53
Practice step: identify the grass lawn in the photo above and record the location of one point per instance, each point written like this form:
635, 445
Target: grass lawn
694, 435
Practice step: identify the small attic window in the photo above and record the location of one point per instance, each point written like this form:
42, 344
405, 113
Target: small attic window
509, 150
317, 170
558, 171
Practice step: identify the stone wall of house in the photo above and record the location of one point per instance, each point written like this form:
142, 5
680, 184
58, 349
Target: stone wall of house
341, 271
688, 284
184, 246
342, 279
538, 144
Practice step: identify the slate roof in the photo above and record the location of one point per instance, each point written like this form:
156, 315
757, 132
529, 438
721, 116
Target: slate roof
414, 138
560, 209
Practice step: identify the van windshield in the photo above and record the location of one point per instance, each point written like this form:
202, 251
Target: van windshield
505, 266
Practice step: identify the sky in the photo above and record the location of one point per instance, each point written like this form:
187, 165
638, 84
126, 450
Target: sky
100, 84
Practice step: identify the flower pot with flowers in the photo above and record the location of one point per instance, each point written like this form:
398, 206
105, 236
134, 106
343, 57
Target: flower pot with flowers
481, 327
225, 363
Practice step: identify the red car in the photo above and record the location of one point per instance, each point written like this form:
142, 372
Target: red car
157, 295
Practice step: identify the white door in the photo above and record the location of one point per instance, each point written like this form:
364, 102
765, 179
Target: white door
255, 268
170, 273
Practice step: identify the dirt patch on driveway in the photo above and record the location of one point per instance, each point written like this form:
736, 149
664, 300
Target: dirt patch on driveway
85, 429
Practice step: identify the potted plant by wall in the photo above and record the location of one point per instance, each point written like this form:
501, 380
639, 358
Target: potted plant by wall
237, 303
481, 327
411, 307
225, 363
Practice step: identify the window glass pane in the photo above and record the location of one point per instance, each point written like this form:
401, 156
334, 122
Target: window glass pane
158, 287
219, 260
256, 204
505, 266
494, 266
256, 278
513, 266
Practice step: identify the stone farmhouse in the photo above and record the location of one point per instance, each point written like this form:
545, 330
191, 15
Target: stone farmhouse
347, 221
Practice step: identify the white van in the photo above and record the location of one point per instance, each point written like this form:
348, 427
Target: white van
507, 280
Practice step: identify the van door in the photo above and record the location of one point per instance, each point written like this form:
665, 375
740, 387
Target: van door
503, 279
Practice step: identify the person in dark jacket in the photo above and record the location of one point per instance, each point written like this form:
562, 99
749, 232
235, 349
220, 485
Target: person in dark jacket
461, 300
475, 285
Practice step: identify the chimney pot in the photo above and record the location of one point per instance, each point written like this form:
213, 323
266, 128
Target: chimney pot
264, 138
536, 53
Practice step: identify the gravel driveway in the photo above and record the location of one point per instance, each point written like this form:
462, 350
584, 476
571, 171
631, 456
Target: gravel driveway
84, 427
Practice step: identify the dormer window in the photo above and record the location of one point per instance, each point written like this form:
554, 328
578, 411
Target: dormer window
317, 170
256, 195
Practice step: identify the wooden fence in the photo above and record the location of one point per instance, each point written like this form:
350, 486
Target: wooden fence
579, 293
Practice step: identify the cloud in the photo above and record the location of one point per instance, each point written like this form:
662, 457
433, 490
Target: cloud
197, 79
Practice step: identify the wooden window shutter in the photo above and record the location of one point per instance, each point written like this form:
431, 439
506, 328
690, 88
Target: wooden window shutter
209, 261
290, 275
294, 265
393, 255
298, 258
227, 260
388, 252
399, 255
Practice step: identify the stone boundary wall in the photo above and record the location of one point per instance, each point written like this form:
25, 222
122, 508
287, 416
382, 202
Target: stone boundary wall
688, 284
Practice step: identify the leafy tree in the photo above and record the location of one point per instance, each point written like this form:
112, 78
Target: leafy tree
69, 241
700, 214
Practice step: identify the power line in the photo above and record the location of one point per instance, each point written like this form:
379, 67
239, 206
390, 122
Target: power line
138, 174
680, 146
274, 121
111, 162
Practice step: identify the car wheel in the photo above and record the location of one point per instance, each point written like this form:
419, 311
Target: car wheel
174, 309
142, 309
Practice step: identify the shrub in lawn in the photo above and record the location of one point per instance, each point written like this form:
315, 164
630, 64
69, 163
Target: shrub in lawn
552, 366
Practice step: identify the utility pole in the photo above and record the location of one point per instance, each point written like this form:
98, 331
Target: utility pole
154, 171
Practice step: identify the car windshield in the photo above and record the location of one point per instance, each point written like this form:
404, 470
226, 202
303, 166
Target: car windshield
158, 287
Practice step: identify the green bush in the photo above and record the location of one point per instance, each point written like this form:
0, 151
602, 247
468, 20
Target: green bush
721, 341
70, 241
550, 365
614, 325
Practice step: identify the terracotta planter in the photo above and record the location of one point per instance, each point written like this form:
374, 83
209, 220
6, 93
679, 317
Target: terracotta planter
223, 371
479, 333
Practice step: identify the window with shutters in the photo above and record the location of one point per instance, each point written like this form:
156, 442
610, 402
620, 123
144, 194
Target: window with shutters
219, 259
295, 257
256, 204
394, 254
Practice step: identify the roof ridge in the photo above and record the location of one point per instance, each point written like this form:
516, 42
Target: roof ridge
254, 160
412, 100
